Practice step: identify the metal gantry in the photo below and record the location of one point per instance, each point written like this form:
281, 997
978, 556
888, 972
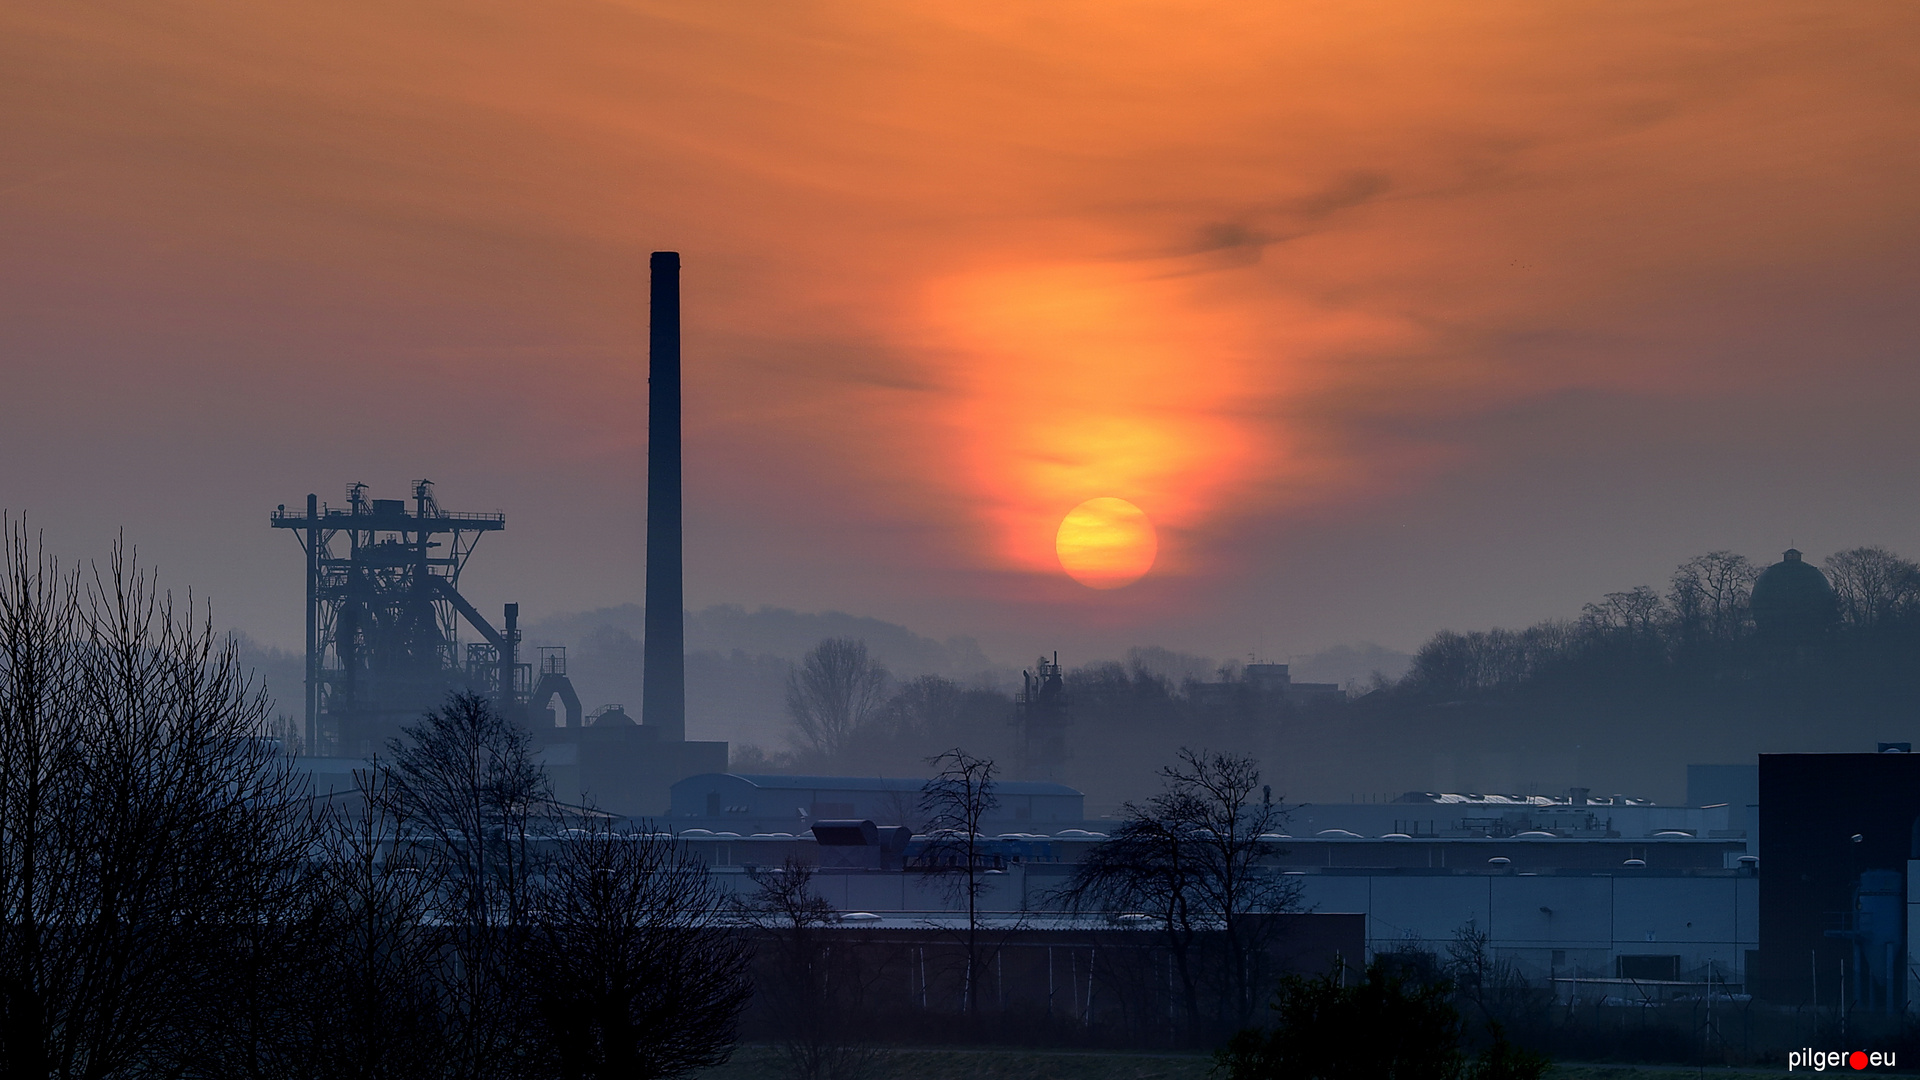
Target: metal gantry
383, 616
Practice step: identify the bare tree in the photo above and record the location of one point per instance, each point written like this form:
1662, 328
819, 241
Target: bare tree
149, 839
954, 803
1145, 868
1637, 612
372, 1003
1874, 586
465, 781
835, 691
1190, 859
809, 989
1711, 596
924, 708
1231, 814
632, 964
1455, 663
1447, 664
1499, 993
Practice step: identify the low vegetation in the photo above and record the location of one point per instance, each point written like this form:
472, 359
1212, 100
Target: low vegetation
176, 905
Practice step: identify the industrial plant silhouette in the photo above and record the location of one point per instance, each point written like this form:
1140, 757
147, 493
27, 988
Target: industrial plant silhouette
384, 614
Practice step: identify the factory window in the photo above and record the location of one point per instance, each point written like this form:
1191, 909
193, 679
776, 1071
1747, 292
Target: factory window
1653, 968
833, 809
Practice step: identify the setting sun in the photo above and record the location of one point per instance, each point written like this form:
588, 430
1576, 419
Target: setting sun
1106, 543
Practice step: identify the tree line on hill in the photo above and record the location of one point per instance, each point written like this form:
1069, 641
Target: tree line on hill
1701, 629
1644, 681
848, 716
1618, 698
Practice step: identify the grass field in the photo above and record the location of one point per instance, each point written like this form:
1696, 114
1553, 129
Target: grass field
762, 1063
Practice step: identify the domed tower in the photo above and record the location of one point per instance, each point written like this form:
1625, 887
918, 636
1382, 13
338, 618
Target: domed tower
1792, 600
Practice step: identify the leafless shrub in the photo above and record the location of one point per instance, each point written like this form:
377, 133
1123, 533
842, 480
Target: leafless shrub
631, 964
810, 989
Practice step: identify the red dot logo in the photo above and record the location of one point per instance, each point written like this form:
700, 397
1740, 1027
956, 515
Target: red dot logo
1857, 1059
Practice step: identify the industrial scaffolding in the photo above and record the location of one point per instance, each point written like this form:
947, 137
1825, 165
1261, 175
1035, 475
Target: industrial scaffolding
383, 617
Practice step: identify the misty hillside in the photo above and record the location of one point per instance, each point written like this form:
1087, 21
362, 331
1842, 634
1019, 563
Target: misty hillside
737, 661
1133, 714
1726, 662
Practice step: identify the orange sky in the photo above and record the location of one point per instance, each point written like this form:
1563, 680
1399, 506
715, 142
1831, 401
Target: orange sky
1390, 316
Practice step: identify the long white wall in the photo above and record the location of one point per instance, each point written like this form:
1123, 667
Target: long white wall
1558, 924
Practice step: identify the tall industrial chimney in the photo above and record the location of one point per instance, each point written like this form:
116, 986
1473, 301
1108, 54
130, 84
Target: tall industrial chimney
663, 704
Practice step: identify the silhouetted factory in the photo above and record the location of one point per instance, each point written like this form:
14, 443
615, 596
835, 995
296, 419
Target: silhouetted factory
384, 617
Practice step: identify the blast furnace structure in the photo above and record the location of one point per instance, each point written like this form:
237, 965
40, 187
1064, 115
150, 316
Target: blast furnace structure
384, 617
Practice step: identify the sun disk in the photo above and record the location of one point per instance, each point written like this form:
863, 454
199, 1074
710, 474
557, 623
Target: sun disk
1106, 543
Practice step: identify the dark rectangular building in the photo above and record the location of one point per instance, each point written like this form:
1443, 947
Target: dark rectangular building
1812, 807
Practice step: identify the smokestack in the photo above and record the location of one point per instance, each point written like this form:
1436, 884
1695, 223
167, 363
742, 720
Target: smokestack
509, 662
663, 702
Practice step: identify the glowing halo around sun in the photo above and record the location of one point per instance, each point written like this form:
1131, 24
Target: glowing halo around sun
1106, 543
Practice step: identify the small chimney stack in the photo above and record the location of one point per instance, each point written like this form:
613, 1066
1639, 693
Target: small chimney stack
510, 663
663, 703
